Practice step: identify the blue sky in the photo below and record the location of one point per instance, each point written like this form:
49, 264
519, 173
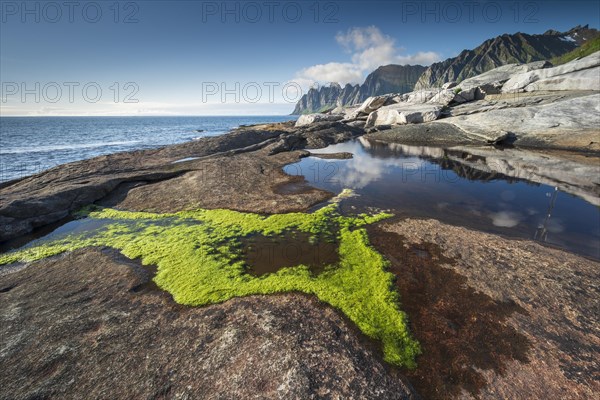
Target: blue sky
178, 57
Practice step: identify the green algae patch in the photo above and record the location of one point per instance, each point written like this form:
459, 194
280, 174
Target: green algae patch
198, 259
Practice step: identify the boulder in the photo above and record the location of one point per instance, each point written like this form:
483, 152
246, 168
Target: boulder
448, 96
449, 85
400, 114
373, 103
490, 88
357, 124
558, 120
467, 94
419, 96
519, 81
312, 118
443, 97
288, 142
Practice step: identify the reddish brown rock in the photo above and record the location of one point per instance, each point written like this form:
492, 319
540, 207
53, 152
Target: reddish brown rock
497, 318
88, 325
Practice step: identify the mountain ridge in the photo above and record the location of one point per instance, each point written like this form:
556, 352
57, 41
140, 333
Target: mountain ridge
385, 79
519, 48
501, 50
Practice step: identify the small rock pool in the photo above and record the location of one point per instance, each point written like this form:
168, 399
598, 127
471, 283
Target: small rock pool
551, 198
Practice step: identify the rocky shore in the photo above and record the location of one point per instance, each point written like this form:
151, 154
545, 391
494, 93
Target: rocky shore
496, 318
534, 105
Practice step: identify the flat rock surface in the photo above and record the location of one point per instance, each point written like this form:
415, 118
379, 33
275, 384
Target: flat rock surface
430, 134
89, 325
244, 182
497, 318
569, 123
48, 197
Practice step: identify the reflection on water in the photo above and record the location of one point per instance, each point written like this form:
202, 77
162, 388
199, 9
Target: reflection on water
541, 232
511, 192
82, 228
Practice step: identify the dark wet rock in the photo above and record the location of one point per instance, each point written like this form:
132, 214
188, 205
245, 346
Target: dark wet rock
463, 330
287, 142
85, 325
438, 134
332, 156
48, 197
497, 318
322, 134
358, 123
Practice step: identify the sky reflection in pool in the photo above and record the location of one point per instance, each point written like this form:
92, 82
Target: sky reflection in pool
481, 189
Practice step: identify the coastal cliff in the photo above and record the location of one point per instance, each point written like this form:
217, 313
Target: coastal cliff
385, 79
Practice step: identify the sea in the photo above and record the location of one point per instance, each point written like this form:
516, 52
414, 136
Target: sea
29, 145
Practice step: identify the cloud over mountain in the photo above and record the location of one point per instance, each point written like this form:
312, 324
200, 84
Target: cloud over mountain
368, 48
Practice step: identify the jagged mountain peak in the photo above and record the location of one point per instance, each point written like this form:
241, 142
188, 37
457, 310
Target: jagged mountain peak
505, 49
385, 79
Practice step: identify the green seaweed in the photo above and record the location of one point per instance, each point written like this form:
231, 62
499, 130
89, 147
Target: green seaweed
198, 263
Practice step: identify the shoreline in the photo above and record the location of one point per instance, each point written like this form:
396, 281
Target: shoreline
241, 170
493, 316
279, 142
31, 145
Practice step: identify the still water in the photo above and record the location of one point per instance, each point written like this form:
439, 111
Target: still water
482, 189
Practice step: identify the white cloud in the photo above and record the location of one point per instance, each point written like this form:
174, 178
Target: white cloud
421, 57
330, 72
369, 48
506, 219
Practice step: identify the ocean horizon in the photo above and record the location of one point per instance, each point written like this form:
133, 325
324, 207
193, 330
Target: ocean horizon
32, 144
